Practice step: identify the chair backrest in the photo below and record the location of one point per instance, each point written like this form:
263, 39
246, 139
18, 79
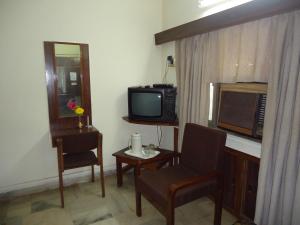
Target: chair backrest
202, 148
80, 143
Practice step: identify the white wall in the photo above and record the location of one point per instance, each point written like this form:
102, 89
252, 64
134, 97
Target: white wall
122, 54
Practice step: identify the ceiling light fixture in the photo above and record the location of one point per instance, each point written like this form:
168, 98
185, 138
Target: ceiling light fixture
206, 3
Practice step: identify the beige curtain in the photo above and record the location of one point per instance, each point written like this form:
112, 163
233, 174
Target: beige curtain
278, 199
240, 53
192, 83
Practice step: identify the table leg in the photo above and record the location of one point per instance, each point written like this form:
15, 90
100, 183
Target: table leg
137, 172
119, 173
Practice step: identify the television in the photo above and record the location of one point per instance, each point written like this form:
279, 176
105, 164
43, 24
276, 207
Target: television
152, 103
242, 108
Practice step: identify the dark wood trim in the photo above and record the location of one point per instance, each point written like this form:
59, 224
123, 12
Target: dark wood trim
254, 10
153, 123
241, 130
50, 79
86, 92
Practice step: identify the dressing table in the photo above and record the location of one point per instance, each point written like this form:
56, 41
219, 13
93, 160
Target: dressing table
69, 106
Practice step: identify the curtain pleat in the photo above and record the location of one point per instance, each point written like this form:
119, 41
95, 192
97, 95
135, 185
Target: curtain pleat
278, 191
193, 87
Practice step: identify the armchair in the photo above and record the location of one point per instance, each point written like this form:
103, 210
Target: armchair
199, 173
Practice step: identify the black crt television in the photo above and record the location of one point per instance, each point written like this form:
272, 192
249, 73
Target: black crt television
152, 103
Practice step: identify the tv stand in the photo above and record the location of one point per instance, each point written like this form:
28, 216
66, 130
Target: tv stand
158, 123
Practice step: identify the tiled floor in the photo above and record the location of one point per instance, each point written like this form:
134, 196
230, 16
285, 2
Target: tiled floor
83, 206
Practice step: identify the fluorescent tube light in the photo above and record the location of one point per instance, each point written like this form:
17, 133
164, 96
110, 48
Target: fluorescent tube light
222, 5
206, 3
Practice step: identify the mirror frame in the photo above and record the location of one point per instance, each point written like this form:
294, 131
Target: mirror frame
57, 122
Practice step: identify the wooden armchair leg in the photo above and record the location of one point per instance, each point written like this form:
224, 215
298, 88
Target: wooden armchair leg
218, 207
138, 203
170, 214
93, 174
102, 180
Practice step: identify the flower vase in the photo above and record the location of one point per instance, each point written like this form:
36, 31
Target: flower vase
80, 124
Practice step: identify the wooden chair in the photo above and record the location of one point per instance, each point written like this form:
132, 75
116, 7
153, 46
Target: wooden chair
198, 174
75, 151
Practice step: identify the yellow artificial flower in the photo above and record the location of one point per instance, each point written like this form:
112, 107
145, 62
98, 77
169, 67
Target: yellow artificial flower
79, 111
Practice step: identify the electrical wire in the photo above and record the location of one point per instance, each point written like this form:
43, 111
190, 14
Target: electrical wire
164, 80
159, 136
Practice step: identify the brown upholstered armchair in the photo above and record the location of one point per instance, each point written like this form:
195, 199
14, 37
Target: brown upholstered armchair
199, 173
75, 151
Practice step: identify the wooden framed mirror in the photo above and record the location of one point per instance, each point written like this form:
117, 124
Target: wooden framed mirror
68, 82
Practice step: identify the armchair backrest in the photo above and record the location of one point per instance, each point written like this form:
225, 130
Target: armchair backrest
202, 148
81, 143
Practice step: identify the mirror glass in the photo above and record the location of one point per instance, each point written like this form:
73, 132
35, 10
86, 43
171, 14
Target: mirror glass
69, 82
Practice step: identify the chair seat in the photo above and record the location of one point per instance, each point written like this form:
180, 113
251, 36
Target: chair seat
156, 184
79, 159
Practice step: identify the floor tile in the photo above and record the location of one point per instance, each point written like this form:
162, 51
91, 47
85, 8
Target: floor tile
85, 206
110, 221
54, 216
92, 218
41, 205
17, 220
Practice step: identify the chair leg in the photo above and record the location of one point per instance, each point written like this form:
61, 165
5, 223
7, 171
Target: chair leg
218, 207
138, 203
61, 189
60, 172
93, 174
102, 180
170, 215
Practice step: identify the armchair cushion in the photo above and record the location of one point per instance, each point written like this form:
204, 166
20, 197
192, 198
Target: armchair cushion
156, 184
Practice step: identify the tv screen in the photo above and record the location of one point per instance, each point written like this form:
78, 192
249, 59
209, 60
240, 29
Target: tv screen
146, 104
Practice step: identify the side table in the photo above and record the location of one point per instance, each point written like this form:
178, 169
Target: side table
165, 156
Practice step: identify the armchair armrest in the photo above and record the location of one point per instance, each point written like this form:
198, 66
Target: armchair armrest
173, 188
